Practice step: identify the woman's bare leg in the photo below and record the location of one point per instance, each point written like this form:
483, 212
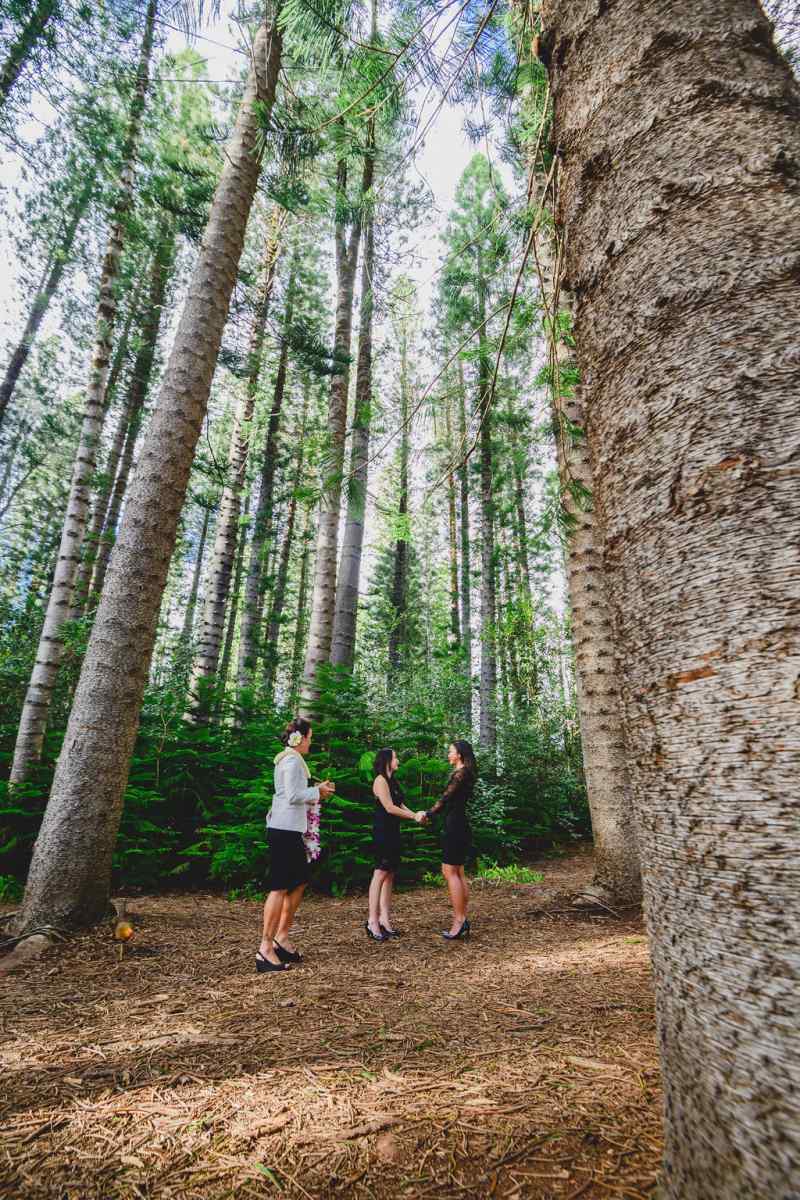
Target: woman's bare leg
291, 902
385, 905
375, 888
464, 888
272, 916
457, 896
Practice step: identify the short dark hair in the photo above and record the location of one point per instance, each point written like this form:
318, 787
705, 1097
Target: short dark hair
298, 725
467, 755
383, 760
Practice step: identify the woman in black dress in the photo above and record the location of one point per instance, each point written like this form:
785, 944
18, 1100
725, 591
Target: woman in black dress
457, 836
390, 808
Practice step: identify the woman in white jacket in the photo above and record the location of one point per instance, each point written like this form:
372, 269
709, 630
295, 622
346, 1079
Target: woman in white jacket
287, 822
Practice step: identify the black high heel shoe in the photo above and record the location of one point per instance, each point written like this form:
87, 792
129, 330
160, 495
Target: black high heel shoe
287, 956
462, 933
389, 933
263, 964
376, 937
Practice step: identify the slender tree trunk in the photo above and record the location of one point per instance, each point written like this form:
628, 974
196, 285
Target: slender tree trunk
70, 873
324, 591
33, 721
679, 205
233, 612
300, 630
511, 627
343, 643
488, 688
249, 642
521, 524
398, 635
187, 630
59, 262
452, 528
21, 49
466, 550
105, 514
279, 594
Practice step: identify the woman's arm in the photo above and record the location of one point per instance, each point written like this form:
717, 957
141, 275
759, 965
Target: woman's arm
297, 790
380, 789
453, 784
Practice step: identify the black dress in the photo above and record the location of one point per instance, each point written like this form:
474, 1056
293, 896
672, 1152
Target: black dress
386, 831
457, 835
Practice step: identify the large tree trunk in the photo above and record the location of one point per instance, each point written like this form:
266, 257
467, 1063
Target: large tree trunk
70, 873
107, 506
452, 529
59, 262
282, 576
343, 645
249, 640
680, 204
324, 591
398, 637
488, 687
20, 50
233, 613
466, 548
33, 720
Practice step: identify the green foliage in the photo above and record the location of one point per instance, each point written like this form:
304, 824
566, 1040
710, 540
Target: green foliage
513, 873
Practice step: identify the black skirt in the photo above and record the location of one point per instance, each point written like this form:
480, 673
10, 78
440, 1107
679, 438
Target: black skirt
456, 845
288, 865
387, 854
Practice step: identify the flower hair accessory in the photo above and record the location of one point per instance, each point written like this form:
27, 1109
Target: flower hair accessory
295, 738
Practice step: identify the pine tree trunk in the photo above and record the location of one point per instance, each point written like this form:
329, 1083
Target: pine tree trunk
60, 260
279, 594
187, 630
679, 204
249, 639
20, 50
521, 524
398, 639
343, 643
70, 873
33, 720
455, 624
488, 688
233, 612
298, 653
466, 550
105, 514
324, 591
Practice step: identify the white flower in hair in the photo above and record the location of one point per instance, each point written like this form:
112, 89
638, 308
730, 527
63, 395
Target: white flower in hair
295, 738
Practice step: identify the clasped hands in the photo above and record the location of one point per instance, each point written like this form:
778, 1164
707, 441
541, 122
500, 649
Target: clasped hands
421, 817
326, 789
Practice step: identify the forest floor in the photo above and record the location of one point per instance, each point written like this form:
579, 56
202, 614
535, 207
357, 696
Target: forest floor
521, 1063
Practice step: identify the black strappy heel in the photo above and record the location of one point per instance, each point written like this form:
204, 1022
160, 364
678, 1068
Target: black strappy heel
462, 933
376, 937
263, 965
287, 956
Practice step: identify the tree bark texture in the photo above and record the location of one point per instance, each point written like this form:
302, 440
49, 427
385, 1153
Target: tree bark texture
60, 260
466, 550
33, 720
282, 574
452, 529
20, 50
233, 612
488, 687
398, 637
300, 631
187, 630
249, 644
343, 646
678, 132
68, 883
108, 502
323, 601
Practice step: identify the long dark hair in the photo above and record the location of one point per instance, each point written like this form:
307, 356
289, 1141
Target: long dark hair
298, 725
467, 756
383, 760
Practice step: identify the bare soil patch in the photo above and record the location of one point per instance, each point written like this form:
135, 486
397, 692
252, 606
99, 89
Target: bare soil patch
522, 1063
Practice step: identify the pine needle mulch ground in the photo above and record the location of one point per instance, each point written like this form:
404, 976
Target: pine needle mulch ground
520, 1064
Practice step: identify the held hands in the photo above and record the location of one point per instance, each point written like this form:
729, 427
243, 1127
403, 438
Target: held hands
326, 789
421, 817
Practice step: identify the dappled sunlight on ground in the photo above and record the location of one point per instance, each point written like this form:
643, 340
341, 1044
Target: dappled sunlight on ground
522, 1063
